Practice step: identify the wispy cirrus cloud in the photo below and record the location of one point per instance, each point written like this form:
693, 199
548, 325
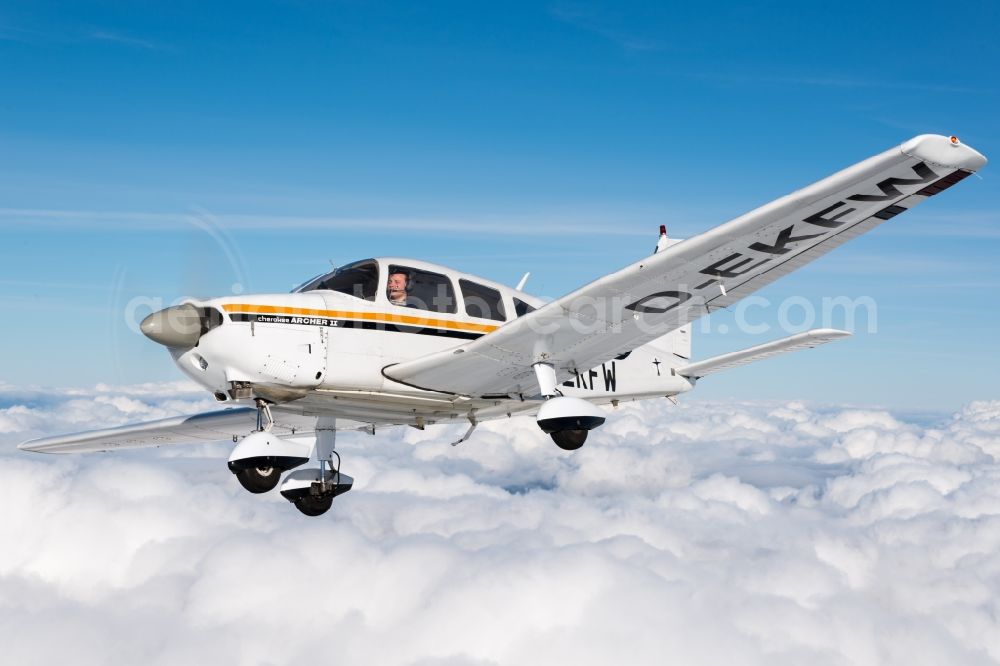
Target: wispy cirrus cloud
981, 225
489, 225
76, 35
114, 37
896, 264
11, 33
590, 20
863, 83
829, 81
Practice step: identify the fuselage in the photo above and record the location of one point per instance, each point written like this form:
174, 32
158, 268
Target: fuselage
322, 348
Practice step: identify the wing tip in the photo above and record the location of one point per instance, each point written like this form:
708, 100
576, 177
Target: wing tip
835, 333
945, 151
33, 445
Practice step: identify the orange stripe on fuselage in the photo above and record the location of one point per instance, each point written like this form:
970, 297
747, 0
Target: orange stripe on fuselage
361, 316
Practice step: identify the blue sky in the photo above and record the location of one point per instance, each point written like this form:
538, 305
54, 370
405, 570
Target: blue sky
153, 150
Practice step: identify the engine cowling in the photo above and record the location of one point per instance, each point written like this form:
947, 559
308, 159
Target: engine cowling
568, 420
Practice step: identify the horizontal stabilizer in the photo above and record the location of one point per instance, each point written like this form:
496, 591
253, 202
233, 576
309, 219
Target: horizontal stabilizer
807, 340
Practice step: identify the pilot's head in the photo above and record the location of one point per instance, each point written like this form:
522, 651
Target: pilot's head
396, 288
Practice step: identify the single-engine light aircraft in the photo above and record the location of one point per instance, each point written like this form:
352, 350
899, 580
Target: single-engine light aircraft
393, 341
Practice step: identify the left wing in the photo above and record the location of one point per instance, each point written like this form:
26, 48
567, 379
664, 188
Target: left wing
686, 281
198, 428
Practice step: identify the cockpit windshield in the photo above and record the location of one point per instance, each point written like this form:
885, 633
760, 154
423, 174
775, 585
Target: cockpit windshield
359, 279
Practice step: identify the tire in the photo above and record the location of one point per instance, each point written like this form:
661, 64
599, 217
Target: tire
259, 479
569, 440
312, 505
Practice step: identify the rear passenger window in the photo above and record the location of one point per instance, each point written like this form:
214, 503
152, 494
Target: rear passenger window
522, 308
482, 301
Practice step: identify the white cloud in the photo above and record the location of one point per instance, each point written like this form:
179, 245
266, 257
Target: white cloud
26, 413
737, 533
547, 223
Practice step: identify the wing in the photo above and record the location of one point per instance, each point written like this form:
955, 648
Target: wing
199, 428
686, 281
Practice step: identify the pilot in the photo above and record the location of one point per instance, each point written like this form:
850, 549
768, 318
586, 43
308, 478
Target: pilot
396, 288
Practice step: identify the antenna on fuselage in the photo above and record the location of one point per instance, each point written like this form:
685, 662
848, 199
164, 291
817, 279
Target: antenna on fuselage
524, 280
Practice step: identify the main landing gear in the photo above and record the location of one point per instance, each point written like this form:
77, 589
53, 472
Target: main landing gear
260, 458
259, 479
567, 420
312, 490
569, 440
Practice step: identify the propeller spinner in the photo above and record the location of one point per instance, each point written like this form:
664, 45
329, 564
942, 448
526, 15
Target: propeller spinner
180, 326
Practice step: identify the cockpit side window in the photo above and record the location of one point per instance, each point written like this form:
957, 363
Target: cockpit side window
415, 288
522, 308
482, 301
358, 279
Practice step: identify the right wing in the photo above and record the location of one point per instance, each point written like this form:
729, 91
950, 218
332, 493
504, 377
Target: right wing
686, 281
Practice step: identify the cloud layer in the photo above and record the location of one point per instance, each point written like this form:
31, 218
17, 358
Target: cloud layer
708, 533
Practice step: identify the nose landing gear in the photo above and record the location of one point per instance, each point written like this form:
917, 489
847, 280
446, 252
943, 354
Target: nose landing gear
314, 505
260, 458
312, 490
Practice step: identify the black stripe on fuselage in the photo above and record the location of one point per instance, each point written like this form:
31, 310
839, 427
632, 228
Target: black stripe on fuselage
297, 320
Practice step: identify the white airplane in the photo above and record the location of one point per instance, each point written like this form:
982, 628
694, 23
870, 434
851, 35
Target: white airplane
392, 341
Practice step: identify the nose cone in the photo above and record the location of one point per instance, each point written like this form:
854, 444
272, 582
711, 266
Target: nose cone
178, 326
